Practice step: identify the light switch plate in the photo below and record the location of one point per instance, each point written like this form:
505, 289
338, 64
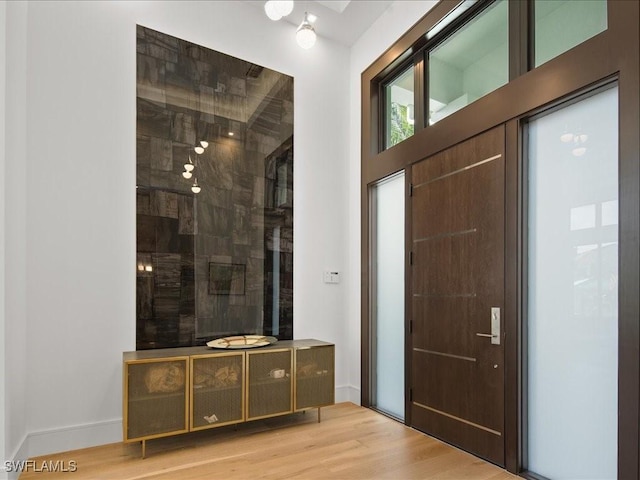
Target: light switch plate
331, 277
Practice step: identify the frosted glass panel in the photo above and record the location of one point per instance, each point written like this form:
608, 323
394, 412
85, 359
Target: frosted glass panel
573, 290
389, 298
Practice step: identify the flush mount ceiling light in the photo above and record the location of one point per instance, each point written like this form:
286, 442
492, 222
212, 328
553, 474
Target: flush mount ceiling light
276, 9
306, 35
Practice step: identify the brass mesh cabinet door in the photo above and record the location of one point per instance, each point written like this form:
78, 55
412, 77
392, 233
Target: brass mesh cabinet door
269, 383
314, 377
155, 398
217, 390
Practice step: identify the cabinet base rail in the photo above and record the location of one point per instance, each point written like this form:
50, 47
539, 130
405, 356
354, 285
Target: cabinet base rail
143, 442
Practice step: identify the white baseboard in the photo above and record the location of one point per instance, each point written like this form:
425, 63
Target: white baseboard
348, 393
21, 453
56, 440
73, 437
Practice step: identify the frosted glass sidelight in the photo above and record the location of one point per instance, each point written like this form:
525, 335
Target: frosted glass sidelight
389, 297
573, 290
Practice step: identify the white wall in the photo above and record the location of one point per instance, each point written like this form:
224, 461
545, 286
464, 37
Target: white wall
3, 375
76, 208
70, 203
14, 227
395, 21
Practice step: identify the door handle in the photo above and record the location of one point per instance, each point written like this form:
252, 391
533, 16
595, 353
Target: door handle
495, 327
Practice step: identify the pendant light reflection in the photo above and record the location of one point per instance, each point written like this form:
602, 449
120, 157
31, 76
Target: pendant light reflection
195, 187
579, 151
190, 166
306, 35
566, 137
578, 140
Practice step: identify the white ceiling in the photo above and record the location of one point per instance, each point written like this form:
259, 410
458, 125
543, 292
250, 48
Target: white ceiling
336, 5
338, 20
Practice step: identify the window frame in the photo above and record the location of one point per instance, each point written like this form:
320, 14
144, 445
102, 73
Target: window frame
609, 55
385, 102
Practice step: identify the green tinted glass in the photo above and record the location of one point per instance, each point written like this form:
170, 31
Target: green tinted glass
562, 24
471, 63
400, 112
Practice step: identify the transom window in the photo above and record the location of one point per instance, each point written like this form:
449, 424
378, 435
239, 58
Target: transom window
469, 57
400, 108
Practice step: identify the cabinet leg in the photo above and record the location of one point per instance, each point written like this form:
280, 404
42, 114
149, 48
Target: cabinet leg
144, 449
318, 414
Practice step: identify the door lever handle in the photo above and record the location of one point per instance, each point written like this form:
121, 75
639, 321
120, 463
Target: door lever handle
495, 327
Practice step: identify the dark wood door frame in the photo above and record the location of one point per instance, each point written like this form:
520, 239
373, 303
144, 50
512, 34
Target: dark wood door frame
612, 54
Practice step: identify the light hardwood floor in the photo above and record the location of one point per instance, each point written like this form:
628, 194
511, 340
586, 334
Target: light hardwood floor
351, 442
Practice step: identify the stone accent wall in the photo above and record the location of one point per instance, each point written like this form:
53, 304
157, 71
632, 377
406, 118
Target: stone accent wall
243, 215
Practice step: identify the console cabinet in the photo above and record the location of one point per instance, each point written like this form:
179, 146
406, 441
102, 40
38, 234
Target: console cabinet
177, 390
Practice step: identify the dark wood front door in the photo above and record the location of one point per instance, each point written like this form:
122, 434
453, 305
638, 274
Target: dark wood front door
457, 388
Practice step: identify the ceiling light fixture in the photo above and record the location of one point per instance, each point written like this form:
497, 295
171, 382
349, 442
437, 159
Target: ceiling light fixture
196, 188
276, 9
199, 150
306, 35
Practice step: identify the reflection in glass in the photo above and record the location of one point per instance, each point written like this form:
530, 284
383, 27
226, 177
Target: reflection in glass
583, 217
400, 111
562, 24
573, 291
471, 63
215, 246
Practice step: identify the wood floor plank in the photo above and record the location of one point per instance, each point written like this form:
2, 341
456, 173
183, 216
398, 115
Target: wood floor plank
351, 443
